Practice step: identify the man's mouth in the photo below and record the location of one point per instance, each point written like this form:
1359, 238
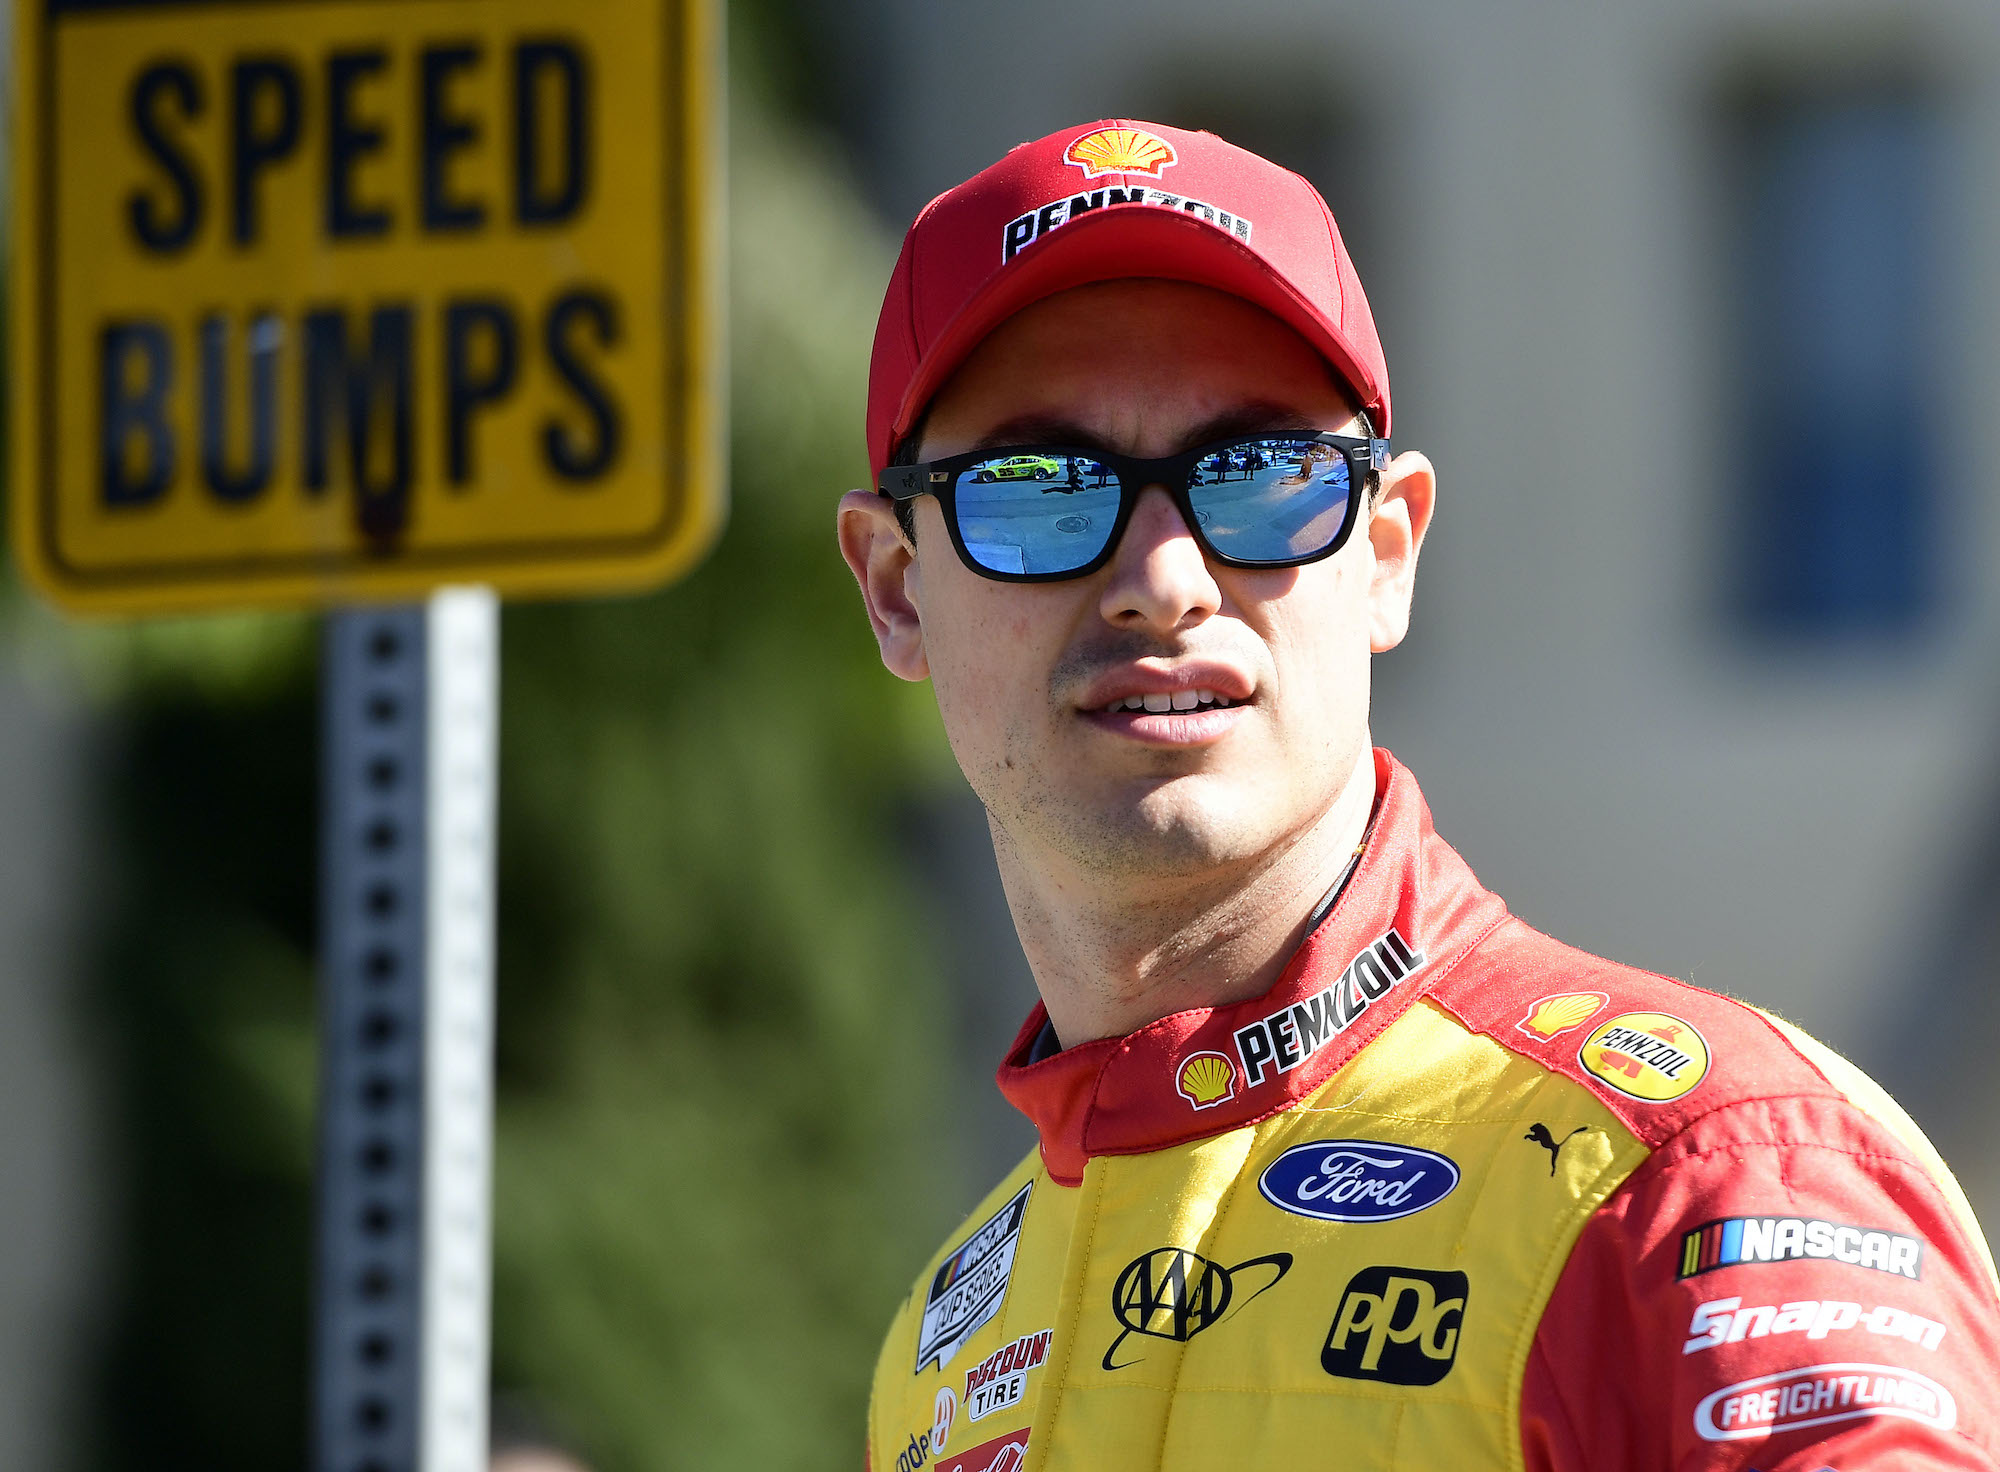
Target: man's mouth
1161, 702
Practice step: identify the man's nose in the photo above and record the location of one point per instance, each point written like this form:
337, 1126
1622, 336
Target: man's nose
1159, 581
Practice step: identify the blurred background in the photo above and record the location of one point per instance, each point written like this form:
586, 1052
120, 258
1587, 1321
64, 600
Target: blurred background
1693, 305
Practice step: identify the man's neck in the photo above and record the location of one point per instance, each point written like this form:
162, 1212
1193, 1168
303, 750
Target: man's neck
1110, 956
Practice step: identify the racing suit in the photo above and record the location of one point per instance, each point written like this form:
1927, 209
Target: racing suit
1451, 1195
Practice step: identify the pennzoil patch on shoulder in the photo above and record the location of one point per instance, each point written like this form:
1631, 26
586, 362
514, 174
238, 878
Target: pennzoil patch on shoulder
1651, 1056
970, 1284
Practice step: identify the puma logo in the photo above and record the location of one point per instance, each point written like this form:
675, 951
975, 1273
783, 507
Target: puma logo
1539, 1133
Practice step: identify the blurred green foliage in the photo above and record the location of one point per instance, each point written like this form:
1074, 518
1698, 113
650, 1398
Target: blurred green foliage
718, 1008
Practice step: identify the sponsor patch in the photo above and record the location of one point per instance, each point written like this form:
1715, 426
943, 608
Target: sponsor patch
1120, 151
1726, 1321
1558, 1014
1024, 230
1171, 1293
944, 1411
916, 1453
1290, 1036
970, 1284
1398, 1325
1206, 1079
1001, 1454
1538, 1134
1737, 1240
1653, 1056
1001, 1379
1820, 1395
1357, 1180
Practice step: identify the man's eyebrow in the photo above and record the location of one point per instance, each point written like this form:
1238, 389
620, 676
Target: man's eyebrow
1255, 417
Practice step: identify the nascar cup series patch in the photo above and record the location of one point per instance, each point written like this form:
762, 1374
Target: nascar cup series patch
1652, 1056
970, 1285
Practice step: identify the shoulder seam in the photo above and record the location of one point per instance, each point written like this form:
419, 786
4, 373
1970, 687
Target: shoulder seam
1826, 1088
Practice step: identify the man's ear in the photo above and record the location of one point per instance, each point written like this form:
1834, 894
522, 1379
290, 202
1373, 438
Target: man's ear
1397, 521
884, 564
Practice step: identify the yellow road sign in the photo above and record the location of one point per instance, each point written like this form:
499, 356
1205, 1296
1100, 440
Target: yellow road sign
318, 300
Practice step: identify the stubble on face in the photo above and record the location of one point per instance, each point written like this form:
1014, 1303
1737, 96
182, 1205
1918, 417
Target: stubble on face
1150, 812
1141, 367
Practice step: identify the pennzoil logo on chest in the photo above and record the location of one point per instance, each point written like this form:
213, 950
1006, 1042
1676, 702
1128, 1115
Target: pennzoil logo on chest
1292, 1035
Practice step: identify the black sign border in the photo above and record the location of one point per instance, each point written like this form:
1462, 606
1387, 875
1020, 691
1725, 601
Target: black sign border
358, 564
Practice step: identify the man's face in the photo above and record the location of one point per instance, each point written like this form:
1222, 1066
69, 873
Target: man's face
1027, 675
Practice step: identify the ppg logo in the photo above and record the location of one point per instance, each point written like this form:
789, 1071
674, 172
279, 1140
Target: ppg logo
1399, 1325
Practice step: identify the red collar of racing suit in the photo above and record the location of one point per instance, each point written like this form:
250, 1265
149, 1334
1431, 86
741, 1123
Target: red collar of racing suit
1410, 912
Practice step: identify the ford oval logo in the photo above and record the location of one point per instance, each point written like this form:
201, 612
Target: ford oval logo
1357, 1180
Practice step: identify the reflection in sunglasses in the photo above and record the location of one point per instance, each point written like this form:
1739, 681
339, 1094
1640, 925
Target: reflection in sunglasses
1277, 500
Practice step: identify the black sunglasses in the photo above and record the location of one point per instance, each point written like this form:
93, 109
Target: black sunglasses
1036, 513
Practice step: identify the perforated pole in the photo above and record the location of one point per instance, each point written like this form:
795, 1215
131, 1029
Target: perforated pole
402, 1275
464, 642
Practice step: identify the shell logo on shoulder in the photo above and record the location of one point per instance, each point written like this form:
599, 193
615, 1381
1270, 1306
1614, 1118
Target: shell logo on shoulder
1206, 1079
1559, 1013
1653, 1056
1120, 151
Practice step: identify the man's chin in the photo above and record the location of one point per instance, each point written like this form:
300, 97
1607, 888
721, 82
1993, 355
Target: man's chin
1179, 827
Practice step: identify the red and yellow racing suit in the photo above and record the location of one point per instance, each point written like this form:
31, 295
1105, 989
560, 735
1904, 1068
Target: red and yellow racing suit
1451, 1195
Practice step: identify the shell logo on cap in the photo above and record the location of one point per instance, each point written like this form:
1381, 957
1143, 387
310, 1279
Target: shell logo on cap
1653, 1056
1120, 151
1206, 1079
1559, 1013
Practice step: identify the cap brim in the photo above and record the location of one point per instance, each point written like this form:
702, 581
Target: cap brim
1117, 244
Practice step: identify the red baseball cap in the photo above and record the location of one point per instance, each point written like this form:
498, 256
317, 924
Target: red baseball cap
1102, 202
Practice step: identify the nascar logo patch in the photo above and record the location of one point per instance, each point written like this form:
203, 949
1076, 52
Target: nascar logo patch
971, 1284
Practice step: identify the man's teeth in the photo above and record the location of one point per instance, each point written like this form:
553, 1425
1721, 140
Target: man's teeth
1179, 700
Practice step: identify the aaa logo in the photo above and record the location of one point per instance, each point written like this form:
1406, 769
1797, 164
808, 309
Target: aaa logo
1120, 151
1171, 1293
1652, 1056
1206, 1079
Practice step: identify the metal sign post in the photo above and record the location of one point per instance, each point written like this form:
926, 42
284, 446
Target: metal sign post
409, 723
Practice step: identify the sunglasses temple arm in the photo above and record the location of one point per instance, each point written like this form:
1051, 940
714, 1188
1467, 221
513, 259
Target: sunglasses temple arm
903, 482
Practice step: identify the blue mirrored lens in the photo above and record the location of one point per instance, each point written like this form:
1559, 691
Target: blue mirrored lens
1036, 513
1272, 499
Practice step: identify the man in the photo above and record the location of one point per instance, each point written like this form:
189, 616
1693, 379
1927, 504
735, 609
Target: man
1340, 1164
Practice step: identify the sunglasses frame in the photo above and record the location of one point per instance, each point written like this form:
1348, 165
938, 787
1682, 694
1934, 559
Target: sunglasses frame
1171, 473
